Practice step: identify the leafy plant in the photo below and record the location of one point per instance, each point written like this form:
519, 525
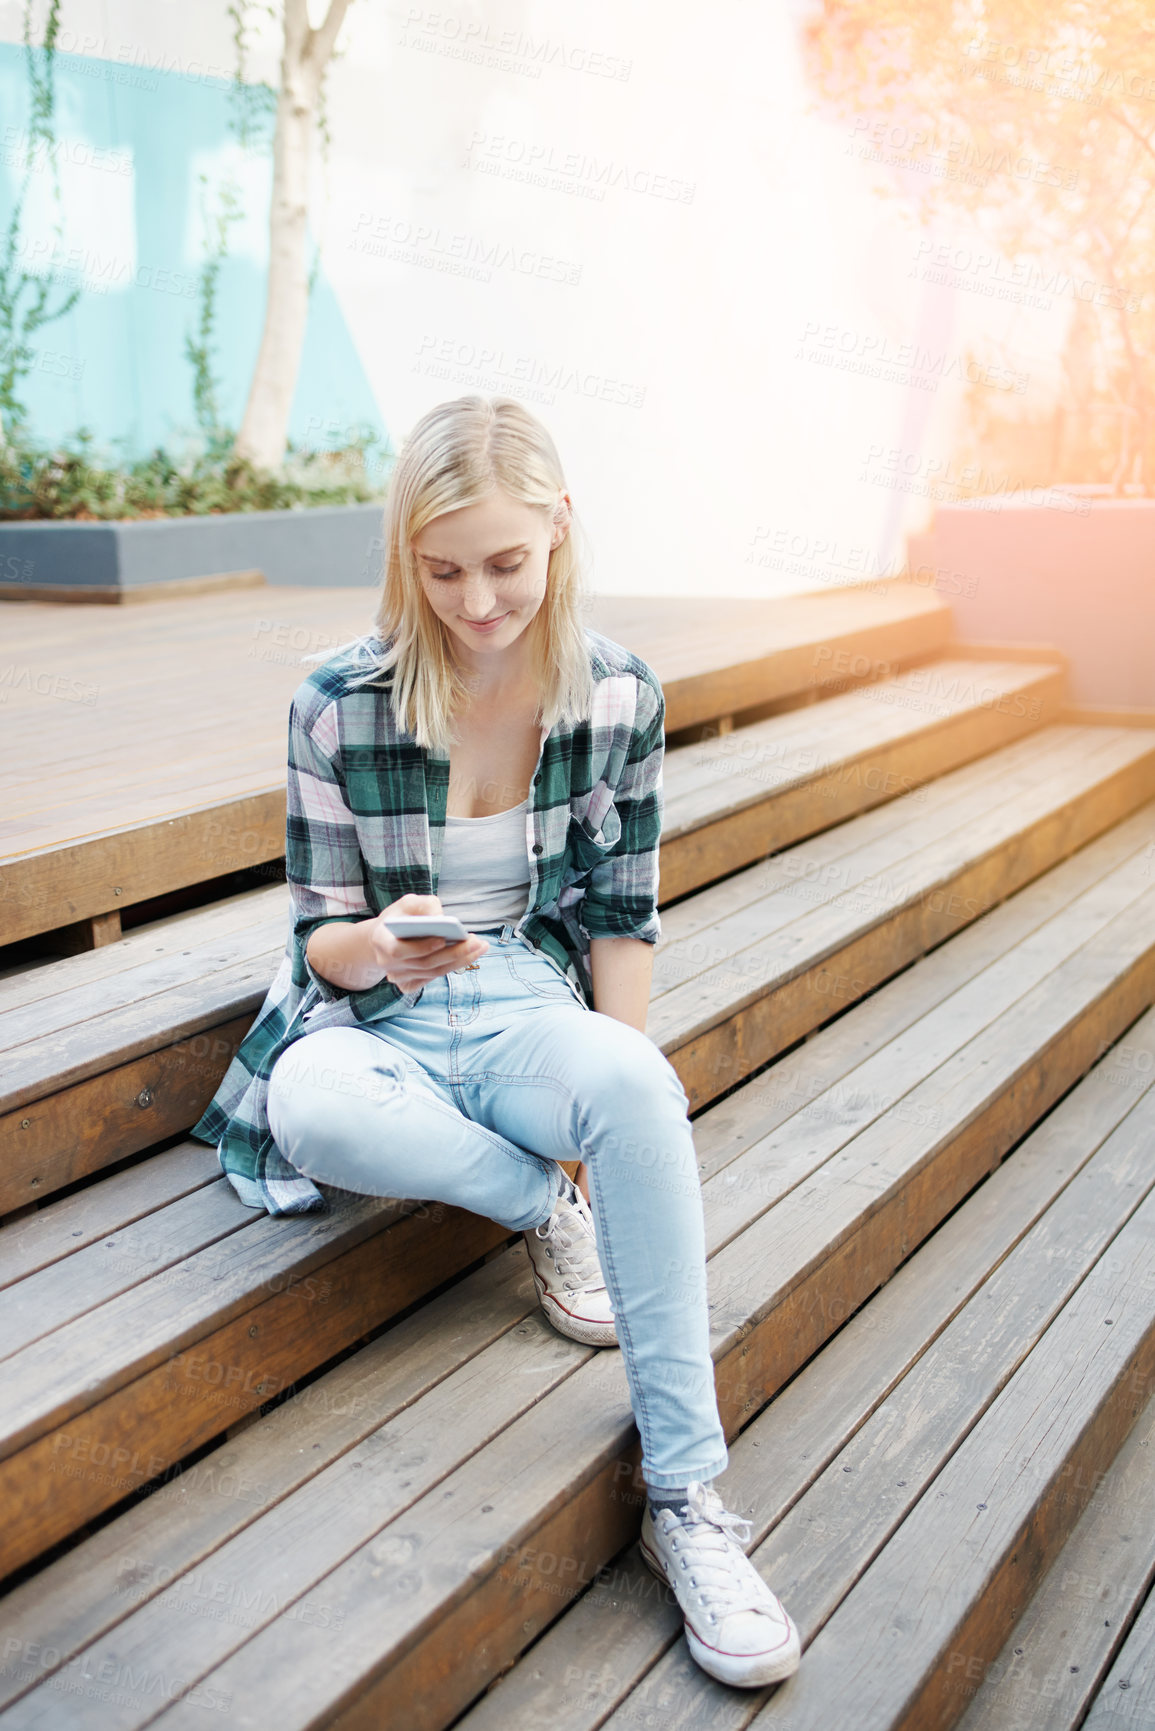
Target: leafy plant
73, 480
1034, 118
20, 317
198, 348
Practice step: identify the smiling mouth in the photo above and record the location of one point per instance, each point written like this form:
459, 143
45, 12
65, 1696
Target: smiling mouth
485, 624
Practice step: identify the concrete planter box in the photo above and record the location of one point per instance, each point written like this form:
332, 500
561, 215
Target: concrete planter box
336, 546
1077, 572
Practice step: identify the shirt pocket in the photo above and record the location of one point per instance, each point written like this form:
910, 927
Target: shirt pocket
590, 843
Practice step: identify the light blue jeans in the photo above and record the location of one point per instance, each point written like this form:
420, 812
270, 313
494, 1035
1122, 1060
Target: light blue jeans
470, 1095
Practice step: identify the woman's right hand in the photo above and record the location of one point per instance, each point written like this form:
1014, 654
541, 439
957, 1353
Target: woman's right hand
410, 963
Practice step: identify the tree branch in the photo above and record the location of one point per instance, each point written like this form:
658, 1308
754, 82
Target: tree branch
321, 41
297, 32
1133, 130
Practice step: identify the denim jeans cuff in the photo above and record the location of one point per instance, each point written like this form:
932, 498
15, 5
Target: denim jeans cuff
678, 1481
555, 1180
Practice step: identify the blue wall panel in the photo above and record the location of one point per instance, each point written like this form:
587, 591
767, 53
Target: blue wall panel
129, 141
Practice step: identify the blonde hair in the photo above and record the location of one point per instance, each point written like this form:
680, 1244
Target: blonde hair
457, 455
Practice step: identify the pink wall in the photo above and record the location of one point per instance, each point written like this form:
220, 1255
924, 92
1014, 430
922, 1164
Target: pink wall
1083, 579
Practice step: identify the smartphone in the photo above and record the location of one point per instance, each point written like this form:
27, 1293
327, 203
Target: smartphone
426, 926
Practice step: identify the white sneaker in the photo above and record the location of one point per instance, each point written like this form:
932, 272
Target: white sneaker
567, 1272
735, 1627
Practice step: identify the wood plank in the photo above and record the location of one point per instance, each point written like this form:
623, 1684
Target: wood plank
856, 1082
445, 1543
875, 645
190, 997
51, 1382
797, 789
832, 1306
846, 857
113, 594
234, 1326
831, 1536
740, 1003
115, 1013
821, 1112
616, 1633
167, 1321
1128, 1692
887, 830
250, 829
275, 899
64, 1137
170, 935
56, 1025
995, 649
79, 1130
733, 1014
49, 1298
829, 1056
827, 1524
243, 854
1054, 1660
78, 879
276, 895
699, 649
1103, 715
949, 1582
542, 1600
905, 1176
73, 1222
739, 766
103, 929
457, 1551
1034, 966
325, 1517
200, 767
73, 1600
199, 758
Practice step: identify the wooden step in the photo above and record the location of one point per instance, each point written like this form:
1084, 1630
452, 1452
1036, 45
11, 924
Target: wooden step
1077, 1645
1128, 1693
193, 1271
887, 1651
831, 1469
129, 1041
188, 1272
737, 797
42, 1238
743, 967
184, 1322
424, 1559
116, 1059
177, 774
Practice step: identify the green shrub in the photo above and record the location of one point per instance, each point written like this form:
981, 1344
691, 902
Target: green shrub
74, 480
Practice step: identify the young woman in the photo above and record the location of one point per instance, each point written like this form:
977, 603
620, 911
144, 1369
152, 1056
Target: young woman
486, 755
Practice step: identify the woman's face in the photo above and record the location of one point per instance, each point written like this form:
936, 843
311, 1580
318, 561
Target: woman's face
483, 571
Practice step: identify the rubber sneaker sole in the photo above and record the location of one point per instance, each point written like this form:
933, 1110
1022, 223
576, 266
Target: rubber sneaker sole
578, 1328
740, 1670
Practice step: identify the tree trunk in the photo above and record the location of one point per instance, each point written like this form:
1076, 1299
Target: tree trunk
265, 426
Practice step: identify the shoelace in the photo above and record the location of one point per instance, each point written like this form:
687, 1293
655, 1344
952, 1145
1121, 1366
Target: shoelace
706, 1538
574, 1254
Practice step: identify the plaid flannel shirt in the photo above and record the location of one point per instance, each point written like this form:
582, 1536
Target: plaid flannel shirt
365, 819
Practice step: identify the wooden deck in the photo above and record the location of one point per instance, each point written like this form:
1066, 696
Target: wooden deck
336, 1470
146, 746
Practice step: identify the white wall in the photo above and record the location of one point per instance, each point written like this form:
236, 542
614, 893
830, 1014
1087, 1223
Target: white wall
703, 361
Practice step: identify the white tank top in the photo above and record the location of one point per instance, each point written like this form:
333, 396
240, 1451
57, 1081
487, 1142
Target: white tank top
484, 876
